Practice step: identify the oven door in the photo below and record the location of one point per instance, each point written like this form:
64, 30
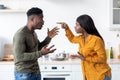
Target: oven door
56, 76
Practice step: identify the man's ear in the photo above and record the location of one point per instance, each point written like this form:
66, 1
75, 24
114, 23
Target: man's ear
32, 18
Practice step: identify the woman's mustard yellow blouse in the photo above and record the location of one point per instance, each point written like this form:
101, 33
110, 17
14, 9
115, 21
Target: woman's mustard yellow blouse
95, 66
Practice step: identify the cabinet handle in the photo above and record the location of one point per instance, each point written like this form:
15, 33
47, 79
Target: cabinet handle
57, 75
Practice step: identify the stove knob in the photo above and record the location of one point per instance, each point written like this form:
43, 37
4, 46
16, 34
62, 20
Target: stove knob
45, 67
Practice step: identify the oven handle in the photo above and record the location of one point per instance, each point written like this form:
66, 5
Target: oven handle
57, 75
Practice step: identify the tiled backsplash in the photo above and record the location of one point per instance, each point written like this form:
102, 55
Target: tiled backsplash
8, 50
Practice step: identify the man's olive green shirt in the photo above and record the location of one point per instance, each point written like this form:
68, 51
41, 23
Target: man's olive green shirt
27, 50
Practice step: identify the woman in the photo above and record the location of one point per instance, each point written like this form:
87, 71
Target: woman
91, 49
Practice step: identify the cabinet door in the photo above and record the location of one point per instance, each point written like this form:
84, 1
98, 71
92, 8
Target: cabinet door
76, 72
77, 76
115, 71
6, 72
114, 14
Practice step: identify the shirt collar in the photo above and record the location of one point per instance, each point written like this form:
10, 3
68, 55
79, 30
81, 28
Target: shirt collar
27, 30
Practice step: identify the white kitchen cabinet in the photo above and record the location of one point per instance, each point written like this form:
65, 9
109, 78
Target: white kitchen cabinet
6, 71
77, 72
114, 14
115, 71
12, 11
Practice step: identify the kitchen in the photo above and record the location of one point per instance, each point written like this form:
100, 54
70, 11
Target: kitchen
66, 11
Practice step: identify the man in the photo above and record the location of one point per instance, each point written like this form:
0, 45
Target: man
27, 48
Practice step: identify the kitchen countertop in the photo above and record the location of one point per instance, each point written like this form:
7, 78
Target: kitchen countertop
73, 61
6, 62
113, 61
69, 61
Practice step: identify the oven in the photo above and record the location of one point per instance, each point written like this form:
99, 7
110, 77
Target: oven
55, 72
56, 76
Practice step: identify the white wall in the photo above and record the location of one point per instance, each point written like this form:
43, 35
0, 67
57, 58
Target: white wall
58, 10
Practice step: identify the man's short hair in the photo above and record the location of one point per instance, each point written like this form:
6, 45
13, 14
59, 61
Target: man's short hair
34, 11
